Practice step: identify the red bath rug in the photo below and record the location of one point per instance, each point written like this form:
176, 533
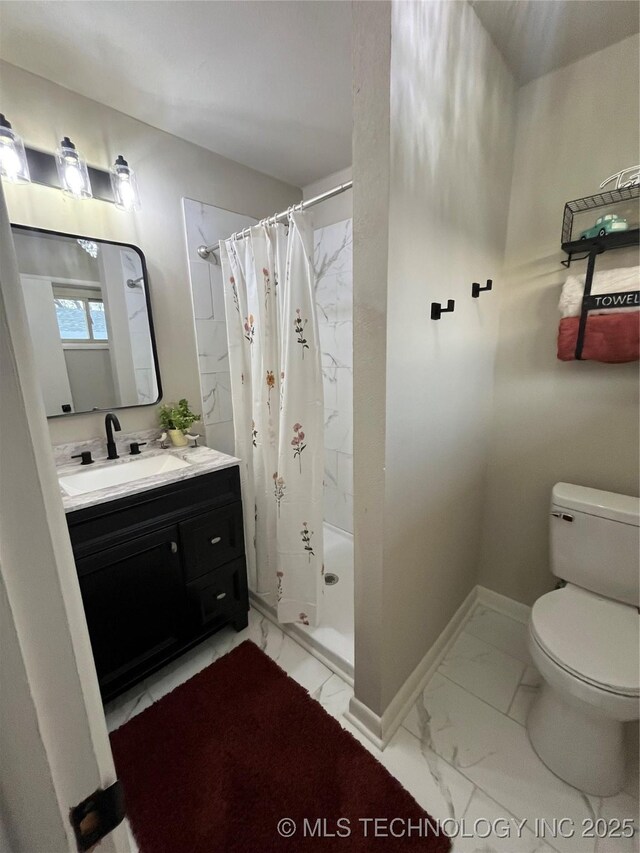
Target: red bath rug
215, 765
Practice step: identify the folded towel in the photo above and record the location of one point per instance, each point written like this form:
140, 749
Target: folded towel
622, 280
613, 338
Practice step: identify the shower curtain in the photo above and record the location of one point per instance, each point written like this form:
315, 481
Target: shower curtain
278, 411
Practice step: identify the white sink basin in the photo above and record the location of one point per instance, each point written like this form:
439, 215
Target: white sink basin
89, 480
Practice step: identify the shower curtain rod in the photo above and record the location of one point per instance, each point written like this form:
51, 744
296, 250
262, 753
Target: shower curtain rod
205, 251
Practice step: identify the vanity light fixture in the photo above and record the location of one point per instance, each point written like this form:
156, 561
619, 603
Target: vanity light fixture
124, 185
72, 171
90, 247
66, 170
13, 159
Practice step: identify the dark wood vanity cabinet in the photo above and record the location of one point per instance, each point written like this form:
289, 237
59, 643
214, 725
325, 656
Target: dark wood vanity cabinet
129, 593
159, 571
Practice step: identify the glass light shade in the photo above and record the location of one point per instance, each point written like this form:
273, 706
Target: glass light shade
90, 247
72, 171
13, 158
124, 185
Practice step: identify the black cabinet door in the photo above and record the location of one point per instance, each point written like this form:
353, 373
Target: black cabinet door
134, 600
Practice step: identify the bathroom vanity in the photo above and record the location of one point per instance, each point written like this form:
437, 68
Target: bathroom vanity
160, 559
157, 534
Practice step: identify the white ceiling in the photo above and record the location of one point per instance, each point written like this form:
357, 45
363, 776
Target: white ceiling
267, 84
537, 36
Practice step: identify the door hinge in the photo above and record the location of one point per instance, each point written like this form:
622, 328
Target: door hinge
98, 815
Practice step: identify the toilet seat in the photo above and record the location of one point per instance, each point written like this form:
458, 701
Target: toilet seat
591, 637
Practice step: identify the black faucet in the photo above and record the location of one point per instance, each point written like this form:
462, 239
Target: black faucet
111, 422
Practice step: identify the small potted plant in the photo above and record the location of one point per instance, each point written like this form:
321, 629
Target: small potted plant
176, 418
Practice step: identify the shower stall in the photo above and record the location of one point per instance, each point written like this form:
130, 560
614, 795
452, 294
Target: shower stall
332, 260
331, 638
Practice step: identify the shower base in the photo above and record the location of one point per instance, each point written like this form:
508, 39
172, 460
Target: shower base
332, 640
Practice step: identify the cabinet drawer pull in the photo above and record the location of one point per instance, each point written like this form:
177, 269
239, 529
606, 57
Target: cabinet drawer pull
174, 547
215, 540
221, 595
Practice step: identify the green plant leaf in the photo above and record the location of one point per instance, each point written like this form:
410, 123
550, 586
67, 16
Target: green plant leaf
177, 415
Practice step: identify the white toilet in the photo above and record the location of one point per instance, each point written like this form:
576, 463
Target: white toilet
584, 639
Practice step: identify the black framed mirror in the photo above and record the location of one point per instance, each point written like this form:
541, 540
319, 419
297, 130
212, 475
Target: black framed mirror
89, 315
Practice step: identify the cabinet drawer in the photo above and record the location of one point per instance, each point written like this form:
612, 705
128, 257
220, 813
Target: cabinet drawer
211, 540
221, 594
102, 525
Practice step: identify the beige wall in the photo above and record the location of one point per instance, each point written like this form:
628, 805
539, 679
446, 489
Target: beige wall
452, 127
25, 774
472, 440
51, 257
168, 168
335, 209
554, 421
371, 70
420, 475
54, 745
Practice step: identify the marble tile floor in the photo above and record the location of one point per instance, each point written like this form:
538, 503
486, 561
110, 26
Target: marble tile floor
462, 751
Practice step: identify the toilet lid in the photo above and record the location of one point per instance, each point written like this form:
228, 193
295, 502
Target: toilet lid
595, 638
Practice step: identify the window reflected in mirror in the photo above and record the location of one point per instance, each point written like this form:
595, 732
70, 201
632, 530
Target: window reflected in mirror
89, 316
80, 314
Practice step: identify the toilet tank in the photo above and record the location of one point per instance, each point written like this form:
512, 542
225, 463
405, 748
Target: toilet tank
595, 541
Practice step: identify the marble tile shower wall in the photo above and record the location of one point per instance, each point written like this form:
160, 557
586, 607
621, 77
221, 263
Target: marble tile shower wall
333, 255
141, 352
207, 224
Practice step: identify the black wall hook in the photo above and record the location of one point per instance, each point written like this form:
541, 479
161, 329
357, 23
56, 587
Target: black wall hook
476, 290
437, 310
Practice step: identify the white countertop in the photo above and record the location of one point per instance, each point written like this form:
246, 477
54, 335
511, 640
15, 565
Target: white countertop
202, 460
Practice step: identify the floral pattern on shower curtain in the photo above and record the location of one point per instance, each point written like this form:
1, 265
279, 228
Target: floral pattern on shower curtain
277, 395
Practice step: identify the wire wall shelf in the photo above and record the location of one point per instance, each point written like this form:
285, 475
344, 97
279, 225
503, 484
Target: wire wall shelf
592, 246
597, 202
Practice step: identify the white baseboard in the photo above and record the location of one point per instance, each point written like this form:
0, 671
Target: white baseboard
366, 721
514, 609
380, 729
